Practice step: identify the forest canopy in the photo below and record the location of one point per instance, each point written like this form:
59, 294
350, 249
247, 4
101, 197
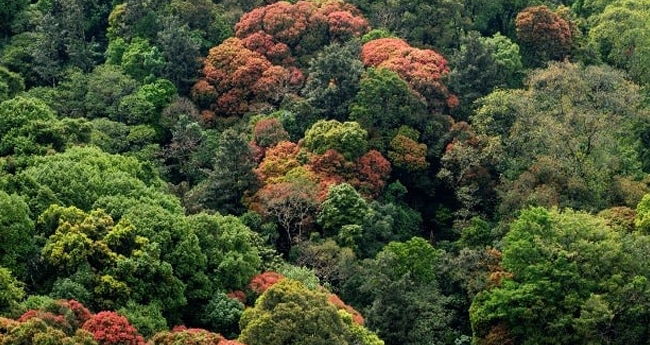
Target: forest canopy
324, 171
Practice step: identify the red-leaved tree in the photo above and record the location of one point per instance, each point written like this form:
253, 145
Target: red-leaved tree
289, 33
422, 69
237, 79
110, 328
543, 35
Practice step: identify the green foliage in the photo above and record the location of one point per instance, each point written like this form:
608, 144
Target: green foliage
107, 85
404, 301
554, 262
642, 219
222, 314
474, 73
87, 177
342, 206
66, 288
16, 231
28, 126
424, 23
400, 106
10, 84
11, 291
147, 319
333, 79
561, 146
232, 174
347, 138
289, 313
507, 57
621, 34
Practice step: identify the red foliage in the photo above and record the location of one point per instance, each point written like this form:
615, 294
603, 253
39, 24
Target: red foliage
62, 314
373, 170
51, 319
263, 281
544, 32
236, 78
356, 316
343, 25
110, 328
269, 132
238, 295
283, 31
422, 69
182, 335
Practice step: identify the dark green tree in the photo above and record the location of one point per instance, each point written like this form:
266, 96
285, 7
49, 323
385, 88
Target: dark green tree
474, 73
232, 174
333, 79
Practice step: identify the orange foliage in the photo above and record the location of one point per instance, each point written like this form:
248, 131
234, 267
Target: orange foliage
236, 78
278, 161
263, 281
422, 69
336, 301
283, 31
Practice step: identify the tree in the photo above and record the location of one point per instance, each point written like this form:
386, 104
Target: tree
291, 204
402, 295
620, 33
543, 34
554, 123
87, 177
232, 175
289, 313
342, 206
180, 54
107, 85
333, 79
347, 138
237, 79
474, 73
110, 328
401, 106
11, 291
507, 58
9, 11
290, 33
28, 126
558, 262
422, 69
269, 132
10, 84
222, 314
424, 23
16, 230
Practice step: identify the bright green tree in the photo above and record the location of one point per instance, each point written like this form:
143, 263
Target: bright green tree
555, 263
347, 138
342, 206
16, 231
289, 313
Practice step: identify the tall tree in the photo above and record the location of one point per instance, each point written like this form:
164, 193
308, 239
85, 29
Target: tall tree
232, 174
333, 80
